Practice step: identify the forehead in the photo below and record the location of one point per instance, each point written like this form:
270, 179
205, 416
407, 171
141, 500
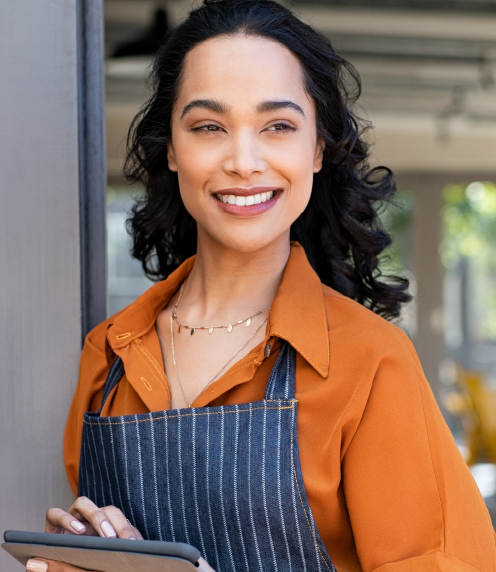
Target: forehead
241, 68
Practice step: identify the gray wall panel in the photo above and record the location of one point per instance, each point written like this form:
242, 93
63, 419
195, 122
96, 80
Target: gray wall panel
92, 162
40, 289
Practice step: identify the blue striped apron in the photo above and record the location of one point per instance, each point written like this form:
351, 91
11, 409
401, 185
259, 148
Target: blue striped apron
225, 479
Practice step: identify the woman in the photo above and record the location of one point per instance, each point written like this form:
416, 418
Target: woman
255, 402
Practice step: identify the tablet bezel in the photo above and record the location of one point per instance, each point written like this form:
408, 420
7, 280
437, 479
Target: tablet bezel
148, 547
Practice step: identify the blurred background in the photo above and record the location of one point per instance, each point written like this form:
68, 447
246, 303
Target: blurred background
73, 77
428, 69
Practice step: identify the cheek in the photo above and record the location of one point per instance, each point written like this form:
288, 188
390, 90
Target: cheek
195, 167
297, 168
301, 190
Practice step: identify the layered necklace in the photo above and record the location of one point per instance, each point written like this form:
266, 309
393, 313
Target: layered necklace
211, 328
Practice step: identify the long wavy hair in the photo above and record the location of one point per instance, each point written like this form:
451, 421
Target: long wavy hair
340, 229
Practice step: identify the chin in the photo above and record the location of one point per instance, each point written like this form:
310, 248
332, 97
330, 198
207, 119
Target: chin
250, 243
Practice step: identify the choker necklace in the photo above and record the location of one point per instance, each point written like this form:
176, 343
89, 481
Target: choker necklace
210, 329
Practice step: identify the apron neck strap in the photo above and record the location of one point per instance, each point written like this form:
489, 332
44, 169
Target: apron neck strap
281, 384
115, 374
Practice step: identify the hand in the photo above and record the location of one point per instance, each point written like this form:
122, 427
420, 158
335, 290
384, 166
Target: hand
84, 518
39, 565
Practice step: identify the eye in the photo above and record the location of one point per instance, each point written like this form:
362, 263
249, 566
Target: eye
281, 127
207, 128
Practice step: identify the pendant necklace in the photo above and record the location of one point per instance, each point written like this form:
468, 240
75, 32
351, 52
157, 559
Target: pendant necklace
173, 317
211, 328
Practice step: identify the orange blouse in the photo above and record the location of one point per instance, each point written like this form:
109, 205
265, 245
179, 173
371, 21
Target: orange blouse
387, 486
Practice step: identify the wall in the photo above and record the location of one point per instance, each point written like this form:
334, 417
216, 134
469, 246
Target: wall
40, 291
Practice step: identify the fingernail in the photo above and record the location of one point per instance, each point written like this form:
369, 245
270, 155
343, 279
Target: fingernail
35, 565
132, 538
108, 530
77, 526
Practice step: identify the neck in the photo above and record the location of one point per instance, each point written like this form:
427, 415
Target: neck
226, 284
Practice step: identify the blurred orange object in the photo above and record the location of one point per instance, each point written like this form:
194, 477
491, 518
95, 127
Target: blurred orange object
475, 405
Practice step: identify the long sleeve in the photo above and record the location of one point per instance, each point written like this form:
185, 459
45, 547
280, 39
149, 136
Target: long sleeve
412, 501
93, 368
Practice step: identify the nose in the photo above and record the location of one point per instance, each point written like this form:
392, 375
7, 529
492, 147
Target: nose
244, 157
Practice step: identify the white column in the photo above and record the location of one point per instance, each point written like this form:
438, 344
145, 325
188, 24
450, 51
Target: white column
428, 269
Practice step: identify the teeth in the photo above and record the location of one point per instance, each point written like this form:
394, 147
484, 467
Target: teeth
246, 201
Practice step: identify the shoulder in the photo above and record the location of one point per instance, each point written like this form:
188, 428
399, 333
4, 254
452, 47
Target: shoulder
96, 339
139, 316
374, 367
362, 333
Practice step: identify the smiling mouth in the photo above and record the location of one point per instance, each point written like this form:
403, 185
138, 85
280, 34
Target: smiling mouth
242, 201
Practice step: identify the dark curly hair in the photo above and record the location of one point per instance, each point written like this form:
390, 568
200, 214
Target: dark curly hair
340, 228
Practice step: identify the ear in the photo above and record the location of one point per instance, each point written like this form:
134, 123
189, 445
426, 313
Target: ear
171, 157
319, 155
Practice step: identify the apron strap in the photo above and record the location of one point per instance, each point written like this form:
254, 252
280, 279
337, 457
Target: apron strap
281, 384
115, 374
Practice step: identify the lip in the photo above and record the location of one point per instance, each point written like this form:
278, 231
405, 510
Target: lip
240, 192
247, 211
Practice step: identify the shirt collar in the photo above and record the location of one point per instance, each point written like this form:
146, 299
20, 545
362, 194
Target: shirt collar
140, 316
298, 312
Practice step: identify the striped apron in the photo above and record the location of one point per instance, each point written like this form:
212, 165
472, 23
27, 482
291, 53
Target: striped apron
226, 479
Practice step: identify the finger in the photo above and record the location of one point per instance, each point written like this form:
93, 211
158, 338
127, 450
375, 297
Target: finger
59, 521
121, 525
95, 516
35, 565
39, 565
78, 517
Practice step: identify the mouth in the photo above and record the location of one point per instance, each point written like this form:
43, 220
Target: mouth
247, 202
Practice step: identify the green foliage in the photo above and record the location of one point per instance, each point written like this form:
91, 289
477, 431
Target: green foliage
469, 225
469, 217
396, 218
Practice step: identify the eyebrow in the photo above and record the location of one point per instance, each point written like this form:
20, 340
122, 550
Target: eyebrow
219, 107
267, 106
209, 104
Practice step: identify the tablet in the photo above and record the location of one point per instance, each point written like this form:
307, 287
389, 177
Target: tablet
105, 554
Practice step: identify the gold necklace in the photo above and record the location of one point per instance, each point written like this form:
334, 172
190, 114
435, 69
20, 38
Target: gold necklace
221, 369
210, 328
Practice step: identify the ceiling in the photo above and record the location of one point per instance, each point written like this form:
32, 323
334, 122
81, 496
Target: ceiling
427, 66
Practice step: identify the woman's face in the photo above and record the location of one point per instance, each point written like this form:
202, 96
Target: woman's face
244, 141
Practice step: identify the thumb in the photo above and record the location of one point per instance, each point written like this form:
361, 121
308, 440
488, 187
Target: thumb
42, 565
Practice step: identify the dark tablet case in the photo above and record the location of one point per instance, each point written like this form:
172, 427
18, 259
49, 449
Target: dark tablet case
103, 554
